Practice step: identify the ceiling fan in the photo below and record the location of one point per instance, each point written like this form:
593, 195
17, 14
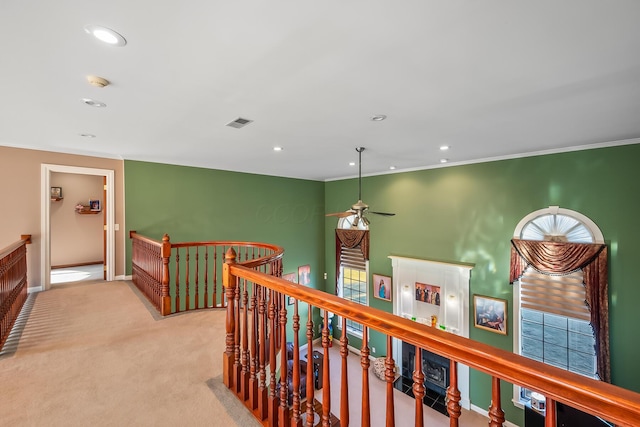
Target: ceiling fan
359, 208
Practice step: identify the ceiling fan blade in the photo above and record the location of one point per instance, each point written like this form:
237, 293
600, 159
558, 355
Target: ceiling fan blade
341, 214
383, 213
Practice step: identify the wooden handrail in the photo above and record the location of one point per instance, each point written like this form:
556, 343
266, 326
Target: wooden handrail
607, 401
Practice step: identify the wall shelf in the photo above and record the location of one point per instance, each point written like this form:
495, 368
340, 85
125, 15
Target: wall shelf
56, 199
87, 212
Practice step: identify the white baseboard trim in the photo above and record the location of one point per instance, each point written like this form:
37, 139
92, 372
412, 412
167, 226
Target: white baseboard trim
123, 277
486, 414
33, 289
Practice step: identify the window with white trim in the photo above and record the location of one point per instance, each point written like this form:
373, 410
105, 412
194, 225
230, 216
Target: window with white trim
553, 319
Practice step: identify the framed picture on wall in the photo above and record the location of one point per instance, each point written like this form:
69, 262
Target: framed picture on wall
428, 293
56, 193
291, 277
304, 275
490, 314
94, 205
382, 287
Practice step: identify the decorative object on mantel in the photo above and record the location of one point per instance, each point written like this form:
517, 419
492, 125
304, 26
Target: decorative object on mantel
56, 193
379, 368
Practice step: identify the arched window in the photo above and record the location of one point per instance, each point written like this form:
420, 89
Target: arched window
555, 252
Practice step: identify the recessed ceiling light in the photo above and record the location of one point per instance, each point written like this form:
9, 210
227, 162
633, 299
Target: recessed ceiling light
106, 35
392, 168
444, 147
378, 118
444, 160
87, 135
277, 148
352, 163
93, 103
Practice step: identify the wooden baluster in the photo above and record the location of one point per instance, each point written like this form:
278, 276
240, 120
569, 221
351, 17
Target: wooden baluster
296, 420
187, 298
197, 285
253, 351
326, 383
390, 377
237, 368
310, 373
215, 279
496, 414
453, 395
166, 255
263, 410
206, 277
344, 382
178, 307
283, 409
272, 399
230, 283
418, 388
550, 412
244, 353
364, 362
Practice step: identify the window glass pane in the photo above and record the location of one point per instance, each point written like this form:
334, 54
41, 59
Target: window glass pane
532, 349
555, 320
555, 336
582, 363
556, 356
582, 342
531, 330
532, 315
580, 326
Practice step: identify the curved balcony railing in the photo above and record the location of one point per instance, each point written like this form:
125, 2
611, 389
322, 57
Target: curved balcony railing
185, 276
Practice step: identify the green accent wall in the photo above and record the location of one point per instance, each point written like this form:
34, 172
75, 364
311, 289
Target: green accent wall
196, 204
456, 214
469, 213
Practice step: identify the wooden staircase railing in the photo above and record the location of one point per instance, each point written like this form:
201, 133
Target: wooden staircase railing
13, 284
177, 277
256, 306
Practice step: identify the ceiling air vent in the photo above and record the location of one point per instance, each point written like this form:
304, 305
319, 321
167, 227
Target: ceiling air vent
239, 123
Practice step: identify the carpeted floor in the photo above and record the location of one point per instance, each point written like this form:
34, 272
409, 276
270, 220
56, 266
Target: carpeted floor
93, 354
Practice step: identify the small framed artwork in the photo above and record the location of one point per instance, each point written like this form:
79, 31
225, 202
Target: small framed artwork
490, 314
56, 192
290, 300
428, 293
304, 275
94, 205
382, 287
290, 277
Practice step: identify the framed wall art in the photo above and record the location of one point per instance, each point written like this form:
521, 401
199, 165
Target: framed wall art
428, 293
382, 287
304, 275
490, 314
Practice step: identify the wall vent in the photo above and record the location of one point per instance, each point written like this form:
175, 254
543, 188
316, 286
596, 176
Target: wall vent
239, 123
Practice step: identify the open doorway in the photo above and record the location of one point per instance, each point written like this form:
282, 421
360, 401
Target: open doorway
109, 217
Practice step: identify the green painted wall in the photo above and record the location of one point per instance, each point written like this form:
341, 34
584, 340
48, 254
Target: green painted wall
195, 204
468, 214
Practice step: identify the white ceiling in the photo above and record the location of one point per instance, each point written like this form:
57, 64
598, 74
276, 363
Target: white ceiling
491, 78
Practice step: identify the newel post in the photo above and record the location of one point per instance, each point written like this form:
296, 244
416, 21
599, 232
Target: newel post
165, 252
229, 282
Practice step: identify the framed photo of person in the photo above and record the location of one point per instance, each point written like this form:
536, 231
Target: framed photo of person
382, 287
428, 293
304, 275
94, 205
490, 314
56, 193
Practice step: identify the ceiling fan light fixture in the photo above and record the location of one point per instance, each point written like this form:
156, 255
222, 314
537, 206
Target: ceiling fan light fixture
444, 147
106, 35
277, 148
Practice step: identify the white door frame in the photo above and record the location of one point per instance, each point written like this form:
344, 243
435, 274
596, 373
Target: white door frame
45, 218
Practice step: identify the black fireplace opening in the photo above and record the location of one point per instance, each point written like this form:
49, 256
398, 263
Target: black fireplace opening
436, 377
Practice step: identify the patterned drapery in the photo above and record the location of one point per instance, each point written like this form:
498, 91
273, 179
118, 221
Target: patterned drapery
350, 239
559, 258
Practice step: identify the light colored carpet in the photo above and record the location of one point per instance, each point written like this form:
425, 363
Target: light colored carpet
92, 354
